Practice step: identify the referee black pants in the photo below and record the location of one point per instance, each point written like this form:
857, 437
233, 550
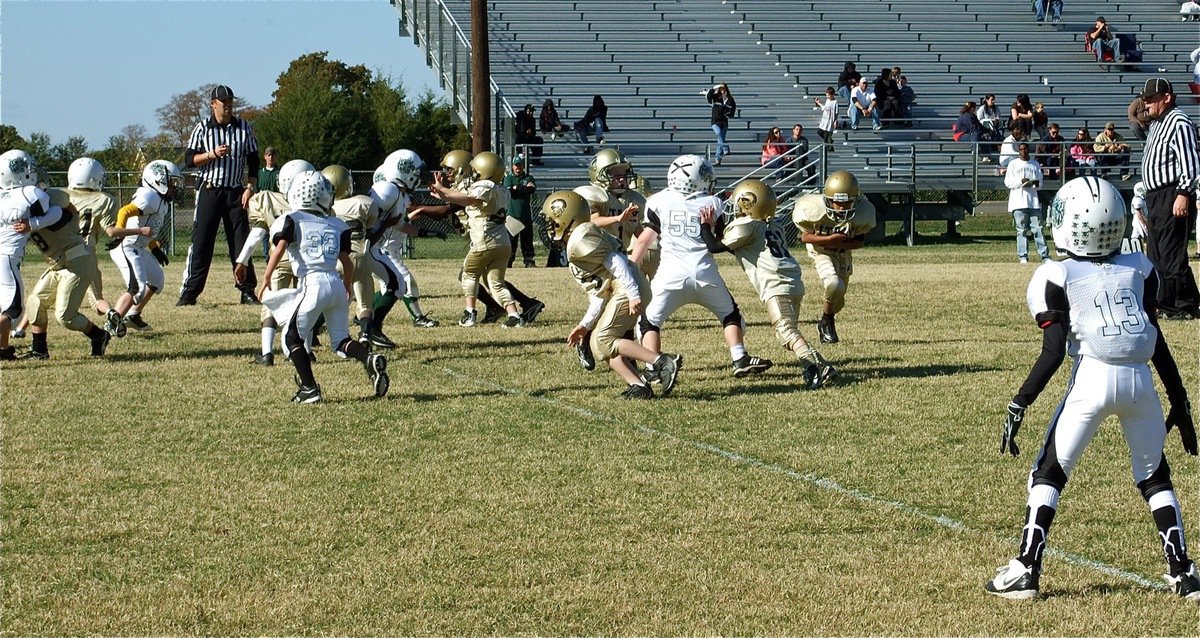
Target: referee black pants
215, 206
1169, 237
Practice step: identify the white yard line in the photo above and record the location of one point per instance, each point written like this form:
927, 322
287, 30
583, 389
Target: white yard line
817, 481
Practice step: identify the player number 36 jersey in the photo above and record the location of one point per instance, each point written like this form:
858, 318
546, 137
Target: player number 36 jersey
1103, 301
314, 242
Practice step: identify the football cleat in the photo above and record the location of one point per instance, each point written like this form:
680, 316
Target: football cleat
8, 354
38, 354
114, 324
827, 329
514, 321
1187, 584
492, 315
1014, 581
750, 365
668, 366
99, 343
649, 374
469, 319
267, 359
308, 394
376, 365
186, 301
137, 322
637, 392
425, 321
380, 340
583, 351
531, 313
818, 374
16, 333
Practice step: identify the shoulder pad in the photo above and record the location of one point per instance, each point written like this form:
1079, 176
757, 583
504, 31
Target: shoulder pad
864, 217
146, 199
809, 209
740, 231
59, 197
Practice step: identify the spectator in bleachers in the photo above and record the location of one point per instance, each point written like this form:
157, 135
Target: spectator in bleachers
907, 99
1083, 155
1101, 38
526, 133
774, 149
595, 118
1055, 7
723, 108
847, 81
1009, 148
1111, 150
1050, 152
1020, 114
1190, 11
798, 148
1040, 121
989, 119
1139, 120
887, 97
863, 103
967, 128
549, 121
1023, 178
829, 117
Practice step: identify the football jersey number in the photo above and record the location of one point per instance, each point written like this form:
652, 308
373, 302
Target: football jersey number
39, 241
319, 244
85, 223
777, 245
1121, 312
679, 224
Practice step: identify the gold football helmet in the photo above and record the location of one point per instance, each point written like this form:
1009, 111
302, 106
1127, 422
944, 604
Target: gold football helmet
564, 210
487, 165
841, 188
339, 176
755, 199
610, 170
455, 164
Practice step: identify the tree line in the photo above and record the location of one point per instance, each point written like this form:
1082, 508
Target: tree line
322, 110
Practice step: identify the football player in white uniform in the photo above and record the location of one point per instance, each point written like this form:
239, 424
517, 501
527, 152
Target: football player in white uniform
833, 224
317, 243
756, 239
688, 272
24, 208
139, 256
263, 208
1098, 307
616, 290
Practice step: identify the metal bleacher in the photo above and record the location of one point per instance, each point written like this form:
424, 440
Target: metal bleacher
652, 59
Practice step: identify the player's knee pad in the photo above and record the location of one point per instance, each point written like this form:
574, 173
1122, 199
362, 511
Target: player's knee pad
1159, 481
733, 319
35, 309
644, 325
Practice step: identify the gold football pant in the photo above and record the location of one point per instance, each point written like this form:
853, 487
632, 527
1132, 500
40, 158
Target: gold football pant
489, 265
615, 322
834, 270
784, 311
63, 290
95, 290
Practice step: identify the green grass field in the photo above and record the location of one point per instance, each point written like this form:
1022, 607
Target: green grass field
171, 489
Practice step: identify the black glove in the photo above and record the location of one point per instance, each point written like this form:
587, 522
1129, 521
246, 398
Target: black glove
160, 256
1180, 416
1012, 424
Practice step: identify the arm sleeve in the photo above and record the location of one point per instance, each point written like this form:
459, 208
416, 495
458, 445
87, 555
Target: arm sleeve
618, 265
252, 241
252, 163
344, 244
1054, 324
195, 145
1184, 145
652, 221
592, 314
40, 219
710, 240
286, 233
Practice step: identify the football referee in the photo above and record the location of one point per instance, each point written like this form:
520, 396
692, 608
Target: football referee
224, 150
1170, 171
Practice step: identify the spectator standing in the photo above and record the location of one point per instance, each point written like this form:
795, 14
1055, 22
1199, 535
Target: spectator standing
1022, 179
596, 118
1050, 152
549, 121
774, 150
723, 108
1139, 121
1055, 7
847, 81
1008, 149
907, 99
526, 134
829, 117
225, 152
1101, 38
1170, 169
1111, 150
1020, 114
268, 175
799, 149
1083, 156
521, 188
863, 103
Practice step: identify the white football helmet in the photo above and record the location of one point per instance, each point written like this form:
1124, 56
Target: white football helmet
17, 169
310, 191
162, 177
1139, 189
690, 174
1087, 217
403, 167
379, 175
86, 173
289, 171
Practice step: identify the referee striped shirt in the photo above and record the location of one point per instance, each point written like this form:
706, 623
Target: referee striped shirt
1171, 158
228, 171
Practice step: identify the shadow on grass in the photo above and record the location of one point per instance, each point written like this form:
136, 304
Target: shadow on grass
935, 239
850, 374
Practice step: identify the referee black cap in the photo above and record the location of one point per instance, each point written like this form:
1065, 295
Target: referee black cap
222, 92
1156, 86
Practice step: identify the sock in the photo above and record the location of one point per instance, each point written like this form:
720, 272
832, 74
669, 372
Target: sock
414, 307
303, 367
268, 340
807, 353
91, 332
382, 306
39, 342
1164, 507
1039, 514
517, 295
133, 312
738, 351
355, 350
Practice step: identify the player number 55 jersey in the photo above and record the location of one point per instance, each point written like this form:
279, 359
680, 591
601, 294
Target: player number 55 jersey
676, 218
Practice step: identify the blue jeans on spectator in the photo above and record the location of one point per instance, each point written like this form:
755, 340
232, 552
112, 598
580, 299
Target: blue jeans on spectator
843, 94
597, 127
856, 114
1027, 220
1055, 10
722, 147
1099, 45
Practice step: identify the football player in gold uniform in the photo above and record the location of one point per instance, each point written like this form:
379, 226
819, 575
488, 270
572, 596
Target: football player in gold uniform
756, 239
616, 290
360, 213
833, 224
262, 210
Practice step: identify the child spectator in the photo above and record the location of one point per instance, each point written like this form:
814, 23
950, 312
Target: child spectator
828, 116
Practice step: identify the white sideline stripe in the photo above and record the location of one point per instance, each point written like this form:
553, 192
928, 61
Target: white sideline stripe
818, 481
